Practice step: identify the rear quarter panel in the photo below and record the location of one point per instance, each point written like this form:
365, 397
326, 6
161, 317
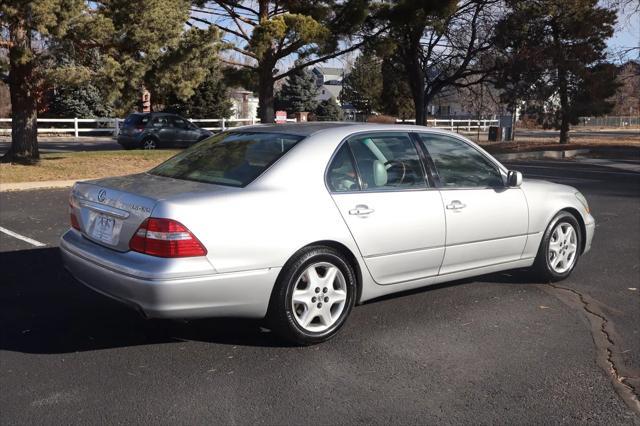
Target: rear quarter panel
265, 223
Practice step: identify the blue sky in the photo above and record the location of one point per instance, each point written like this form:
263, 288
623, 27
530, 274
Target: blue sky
627, 34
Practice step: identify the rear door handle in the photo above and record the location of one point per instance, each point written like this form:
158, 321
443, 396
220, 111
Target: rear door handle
361, 210
456, 205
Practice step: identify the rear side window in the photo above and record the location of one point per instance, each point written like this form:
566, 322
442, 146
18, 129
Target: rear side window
387, 161
342, 176
136, 119
459, 165
233, 159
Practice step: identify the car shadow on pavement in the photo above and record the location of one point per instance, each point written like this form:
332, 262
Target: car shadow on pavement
44, 310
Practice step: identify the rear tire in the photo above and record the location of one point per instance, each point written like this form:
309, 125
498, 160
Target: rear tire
149, 143
313, 296
559, 249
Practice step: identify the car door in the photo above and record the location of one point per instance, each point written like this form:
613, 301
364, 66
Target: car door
186, 132
487, 222
163, 129
377, 181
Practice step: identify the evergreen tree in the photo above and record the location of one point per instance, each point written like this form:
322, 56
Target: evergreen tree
210, 100
150, 49
362, 87
24, 22
298, 93
85, 101
553, 48
396, 99
76, 97
329, 110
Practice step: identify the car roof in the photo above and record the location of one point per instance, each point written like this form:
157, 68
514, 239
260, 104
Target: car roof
299, 129
336, 128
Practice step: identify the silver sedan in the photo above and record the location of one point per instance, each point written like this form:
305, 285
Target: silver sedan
298, 223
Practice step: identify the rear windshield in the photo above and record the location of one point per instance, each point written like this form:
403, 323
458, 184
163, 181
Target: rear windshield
233, 159
135, 119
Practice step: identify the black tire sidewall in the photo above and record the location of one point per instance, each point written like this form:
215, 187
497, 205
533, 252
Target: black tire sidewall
286, 323
543, 257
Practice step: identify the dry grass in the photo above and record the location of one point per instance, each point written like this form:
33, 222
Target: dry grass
83, 165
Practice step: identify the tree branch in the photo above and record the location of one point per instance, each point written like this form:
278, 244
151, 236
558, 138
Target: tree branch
237, 64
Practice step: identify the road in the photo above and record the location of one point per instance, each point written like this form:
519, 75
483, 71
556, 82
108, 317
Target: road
495, 349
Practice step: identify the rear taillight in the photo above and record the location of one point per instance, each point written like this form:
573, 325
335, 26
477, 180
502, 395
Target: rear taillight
166, 238
75, 224
74, 221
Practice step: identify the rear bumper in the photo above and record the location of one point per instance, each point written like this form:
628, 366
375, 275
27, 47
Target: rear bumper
167, 288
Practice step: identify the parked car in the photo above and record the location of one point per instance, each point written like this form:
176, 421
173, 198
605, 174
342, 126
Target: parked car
159, 130
299, 222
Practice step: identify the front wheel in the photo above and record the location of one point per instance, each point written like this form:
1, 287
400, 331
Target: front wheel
313, 296
560, 248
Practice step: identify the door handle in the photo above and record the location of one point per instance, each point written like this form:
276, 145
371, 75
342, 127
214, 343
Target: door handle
456, 205
361, 210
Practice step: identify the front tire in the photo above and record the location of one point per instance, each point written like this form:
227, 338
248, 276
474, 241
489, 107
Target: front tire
313, 296
559, 249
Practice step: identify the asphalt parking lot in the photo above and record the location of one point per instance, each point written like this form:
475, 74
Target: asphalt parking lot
496, 349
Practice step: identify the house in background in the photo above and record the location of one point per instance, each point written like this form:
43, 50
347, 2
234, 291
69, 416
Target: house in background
245, 104
329, 82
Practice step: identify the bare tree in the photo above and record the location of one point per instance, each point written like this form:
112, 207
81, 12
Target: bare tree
446, 50
270, 33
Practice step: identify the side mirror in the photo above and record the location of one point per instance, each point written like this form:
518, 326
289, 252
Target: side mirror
514, 179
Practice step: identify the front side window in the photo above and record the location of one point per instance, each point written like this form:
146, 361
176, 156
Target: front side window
459, 164
342, 176
179, 123
234, 158
387, 161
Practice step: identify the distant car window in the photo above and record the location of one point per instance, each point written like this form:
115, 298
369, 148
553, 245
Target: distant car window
460, 165
387, 161
180, 123
342, 176
234, 158
160, 122
136, 119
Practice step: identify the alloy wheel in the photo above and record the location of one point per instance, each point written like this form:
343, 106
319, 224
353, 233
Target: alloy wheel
563, 247
319, 297
149, 144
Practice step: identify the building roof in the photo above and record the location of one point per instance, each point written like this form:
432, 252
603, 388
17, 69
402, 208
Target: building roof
330, 71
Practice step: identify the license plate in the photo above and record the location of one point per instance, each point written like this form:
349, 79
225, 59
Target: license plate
103, 228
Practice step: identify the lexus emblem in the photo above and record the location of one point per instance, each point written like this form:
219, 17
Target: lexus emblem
102, 195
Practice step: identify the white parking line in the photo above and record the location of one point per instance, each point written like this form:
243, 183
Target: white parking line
22, 237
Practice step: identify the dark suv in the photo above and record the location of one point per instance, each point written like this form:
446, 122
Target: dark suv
153, 130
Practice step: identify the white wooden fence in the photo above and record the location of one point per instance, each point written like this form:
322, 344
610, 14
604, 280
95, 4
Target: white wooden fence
76, 126
467, 125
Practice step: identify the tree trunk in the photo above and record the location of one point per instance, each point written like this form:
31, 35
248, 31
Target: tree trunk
265, 94
416, 77
265, 73
564, 105
24, 105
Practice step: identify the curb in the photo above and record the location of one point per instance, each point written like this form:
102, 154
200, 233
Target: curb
533, 155
27, 186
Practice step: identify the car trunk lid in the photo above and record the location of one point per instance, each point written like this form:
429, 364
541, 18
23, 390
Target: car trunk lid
109, 211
